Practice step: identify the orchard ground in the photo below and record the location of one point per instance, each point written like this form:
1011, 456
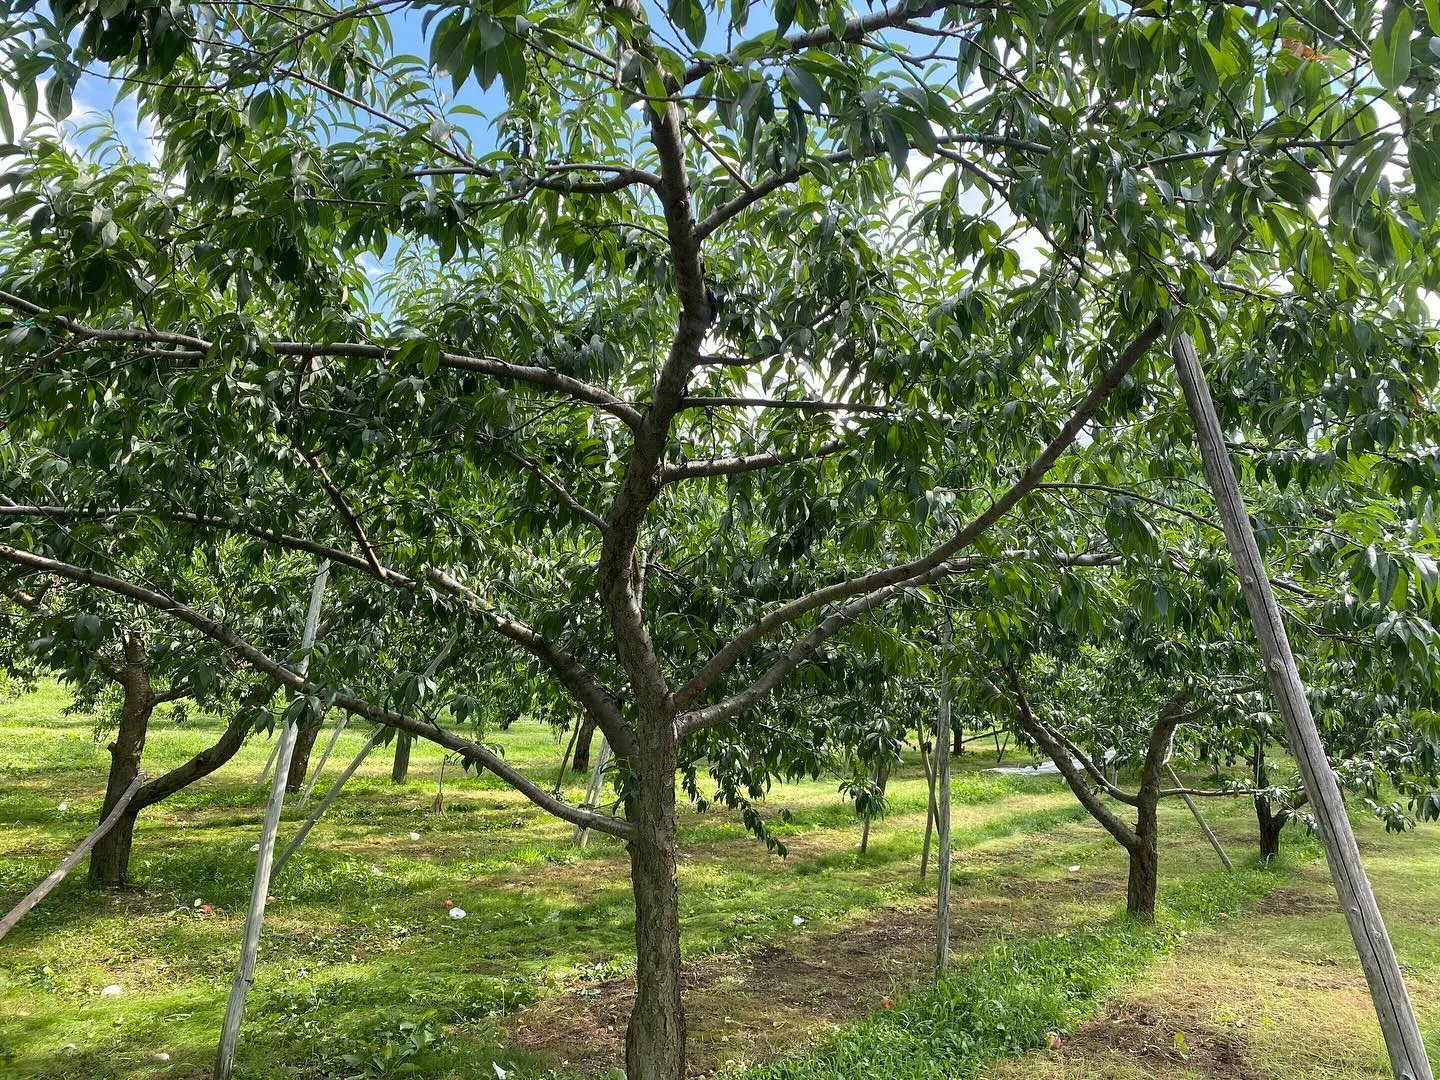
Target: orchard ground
814, 965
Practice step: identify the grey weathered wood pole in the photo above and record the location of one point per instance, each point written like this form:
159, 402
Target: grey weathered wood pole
330, 796
1204, 825
255, 913
1377, 956
72, 860
319, 768
930, 807
942, 803
593, 788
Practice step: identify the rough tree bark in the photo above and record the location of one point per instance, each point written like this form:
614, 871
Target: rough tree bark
300, 757
583, 738
655, 1038
400, 769
1270, 816
110, 858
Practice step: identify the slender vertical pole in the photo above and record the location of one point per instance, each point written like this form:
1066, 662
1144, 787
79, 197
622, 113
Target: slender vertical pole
592, 789
309, 822
320, 767
1377, 955
942, 802
255, 914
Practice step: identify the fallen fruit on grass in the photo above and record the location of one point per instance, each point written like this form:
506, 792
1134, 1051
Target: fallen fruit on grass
1052, 1039
206, 909
885, 1002
449, 903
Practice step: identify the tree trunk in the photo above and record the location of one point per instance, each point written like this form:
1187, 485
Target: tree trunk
401, 768
300, 758
1144, 880
110, 858
583, 738
655, 1038
1272, 823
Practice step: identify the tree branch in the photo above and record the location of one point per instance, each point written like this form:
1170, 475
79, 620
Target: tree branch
425, 729
337, 499
1042, 736
571, 674
924, 569
729, 466
484, 365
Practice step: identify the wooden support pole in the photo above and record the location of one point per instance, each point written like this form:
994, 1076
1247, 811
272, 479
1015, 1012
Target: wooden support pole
320, 766
1377, 956
72, 860
592, 789
565, 758
319, 812
255, 913
930, 808
265, 772
942, 803
1204, 826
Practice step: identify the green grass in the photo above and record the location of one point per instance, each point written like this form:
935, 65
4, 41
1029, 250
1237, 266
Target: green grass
362, 973
1013, 998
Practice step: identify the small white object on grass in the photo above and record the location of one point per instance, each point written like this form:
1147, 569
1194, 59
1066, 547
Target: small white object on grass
500, 1073
254, 848
113, 990
161, 1056
457, 912
375, 870
414, 836
63, 807
1073, 869
796, 920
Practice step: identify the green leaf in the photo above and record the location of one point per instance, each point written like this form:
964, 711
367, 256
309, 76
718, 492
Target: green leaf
807, 87
1390, 54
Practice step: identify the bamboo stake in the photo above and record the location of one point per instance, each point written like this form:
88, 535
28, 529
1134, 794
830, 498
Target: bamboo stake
255, 914
72, 860
1377, 956
592, 789
942, 802
309, 822
320, 767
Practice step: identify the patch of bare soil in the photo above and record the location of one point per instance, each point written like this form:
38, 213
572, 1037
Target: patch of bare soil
1290, 901
1161, 1043
770, 1002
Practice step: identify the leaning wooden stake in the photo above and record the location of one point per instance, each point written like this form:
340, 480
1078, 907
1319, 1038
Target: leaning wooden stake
1204, 826
265, 772
255, 914
1377, 956
320, 766
942, 805
592, 789
72, 860
319, 812
930, 811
